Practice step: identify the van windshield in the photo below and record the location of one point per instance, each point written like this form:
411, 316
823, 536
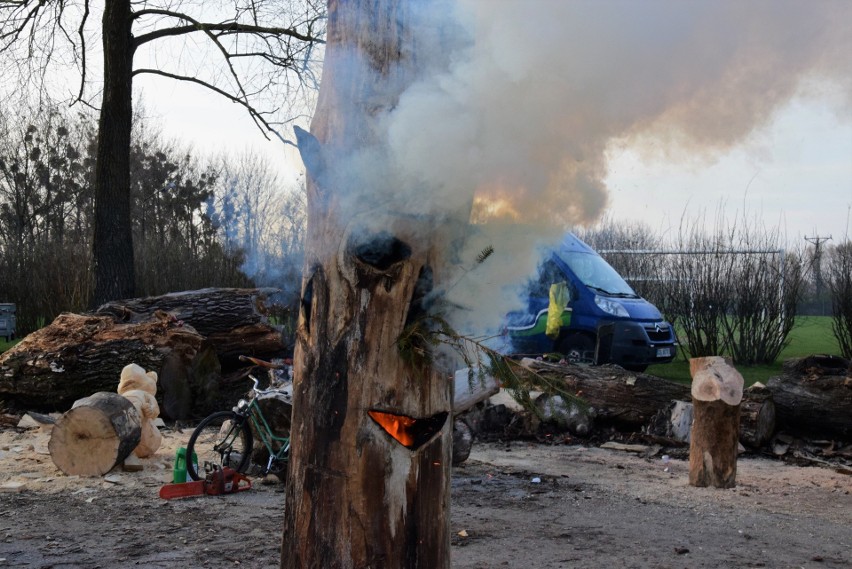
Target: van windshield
597, 274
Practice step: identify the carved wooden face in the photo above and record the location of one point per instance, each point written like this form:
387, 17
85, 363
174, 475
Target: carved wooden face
369, 288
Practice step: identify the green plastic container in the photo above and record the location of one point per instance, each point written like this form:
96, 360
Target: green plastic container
179, 473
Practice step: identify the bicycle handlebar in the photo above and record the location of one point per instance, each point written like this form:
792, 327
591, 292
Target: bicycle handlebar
260, 391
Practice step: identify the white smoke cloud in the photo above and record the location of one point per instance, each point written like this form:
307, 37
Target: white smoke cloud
535, 91
526, 110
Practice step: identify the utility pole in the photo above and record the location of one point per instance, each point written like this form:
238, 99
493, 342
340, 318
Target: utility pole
817, 242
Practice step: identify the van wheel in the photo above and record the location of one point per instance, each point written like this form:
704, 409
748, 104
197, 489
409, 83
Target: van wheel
577, 349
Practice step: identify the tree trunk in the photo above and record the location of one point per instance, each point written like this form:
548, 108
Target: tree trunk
371, 435
96, 435
622, 398
714, 441
233, 320
813, 397
113, 240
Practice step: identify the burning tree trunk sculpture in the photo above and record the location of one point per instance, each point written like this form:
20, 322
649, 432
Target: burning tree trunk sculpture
371, 434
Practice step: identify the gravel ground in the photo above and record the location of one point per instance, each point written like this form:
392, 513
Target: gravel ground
518, 505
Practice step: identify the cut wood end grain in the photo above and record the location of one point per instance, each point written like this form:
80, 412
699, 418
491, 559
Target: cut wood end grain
714, 378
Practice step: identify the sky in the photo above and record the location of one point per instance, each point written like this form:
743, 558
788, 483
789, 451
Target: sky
653, 112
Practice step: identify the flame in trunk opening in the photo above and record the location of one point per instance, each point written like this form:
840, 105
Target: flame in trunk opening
409, 432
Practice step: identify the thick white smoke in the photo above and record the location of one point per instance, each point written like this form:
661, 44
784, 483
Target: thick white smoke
536, 90
526, 111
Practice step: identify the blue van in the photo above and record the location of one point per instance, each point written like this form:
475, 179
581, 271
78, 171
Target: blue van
604, 320
7, 321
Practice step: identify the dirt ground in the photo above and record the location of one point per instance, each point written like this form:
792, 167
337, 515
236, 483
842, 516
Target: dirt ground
516, 505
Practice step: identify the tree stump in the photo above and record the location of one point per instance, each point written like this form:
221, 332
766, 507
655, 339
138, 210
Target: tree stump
95, 435
717, 390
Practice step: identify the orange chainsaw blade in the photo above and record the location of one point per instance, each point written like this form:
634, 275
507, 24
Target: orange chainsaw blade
225, 481
183, 490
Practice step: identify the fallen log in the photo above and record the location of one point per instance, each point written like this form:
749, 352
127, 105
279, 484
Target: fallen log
813, 397
234, 320
95, 435
757, 419
621, 398
77, 355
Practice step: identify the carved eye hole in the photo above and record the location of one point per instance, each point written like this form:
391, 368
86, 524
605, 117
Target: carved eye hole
409, 432
380, 250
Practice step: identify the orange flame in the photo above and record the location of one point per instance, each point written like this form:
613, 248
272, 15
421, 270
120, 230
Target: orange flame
397, 426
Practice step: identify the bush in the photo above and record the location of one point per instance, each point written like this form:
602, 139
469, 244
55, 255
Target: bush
839, 280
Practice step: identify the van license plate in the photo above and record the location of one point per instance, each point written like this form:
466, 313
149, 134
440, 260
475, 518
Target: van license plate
664, 352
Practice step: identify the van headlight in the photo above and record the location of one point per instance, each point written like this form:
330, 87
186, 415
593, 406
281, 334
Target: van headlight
611, 306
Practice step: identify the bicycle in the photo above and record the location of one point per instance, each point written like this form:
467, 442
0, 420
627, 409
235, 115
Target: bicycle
225, 438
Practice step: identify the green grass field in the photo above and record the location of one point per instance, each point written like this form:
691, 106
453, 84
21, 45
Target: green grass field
4, 345
810, 335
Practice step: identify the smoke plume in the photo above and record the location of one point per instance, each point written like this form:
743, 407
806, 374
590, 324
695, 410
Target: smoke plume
537, 90
534, 93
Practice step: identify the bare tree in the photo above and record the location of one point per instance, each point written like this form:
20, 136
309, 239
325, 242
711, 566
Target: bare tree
839, 281
257, 56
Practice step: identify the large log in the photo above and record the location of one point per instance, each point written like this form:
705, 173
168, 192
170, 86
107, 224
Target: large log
234, 320
77, 355
813, 397
96, 435
621, 398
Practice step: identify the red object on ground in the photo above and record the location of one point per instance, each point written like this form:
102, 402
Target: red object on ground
225, 481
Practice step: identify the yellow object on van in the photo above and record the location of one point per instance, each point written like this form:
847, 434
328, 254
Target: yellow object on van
558, 303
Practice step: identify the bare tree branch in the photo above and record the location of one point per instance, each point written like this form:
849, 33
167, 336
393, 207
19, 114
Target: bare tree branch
231, 27
83, 69
256, 116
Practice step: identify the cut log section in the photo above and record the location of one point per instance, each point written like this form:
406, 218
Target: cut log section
714, 441
95, 435
673, 421
757, 416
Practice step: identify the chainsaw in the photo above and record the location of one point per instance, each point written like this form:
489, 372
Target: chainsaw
220, 481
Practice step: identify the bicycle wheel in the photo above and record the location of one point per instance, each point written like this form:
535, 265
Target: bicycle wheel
222, 439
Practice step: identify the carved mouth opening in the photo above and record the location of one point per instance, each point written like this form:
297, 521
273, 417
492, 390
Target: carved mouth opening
409, 432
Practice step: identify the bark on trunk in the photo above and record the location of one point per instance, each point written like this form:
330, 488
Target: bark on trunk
361, 494
757, 417
113, 239
716, 394
96, 435
78, 355
621, 398
813, 397
233, 320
